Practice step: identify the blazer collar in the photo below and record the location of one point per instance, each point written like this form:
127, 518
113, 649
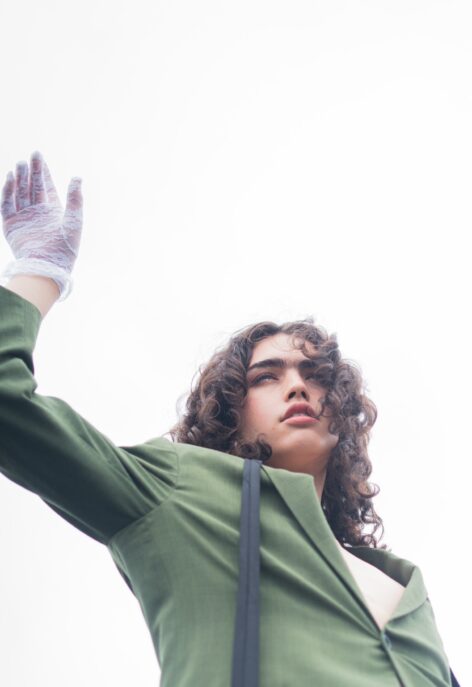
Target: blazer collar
298, 492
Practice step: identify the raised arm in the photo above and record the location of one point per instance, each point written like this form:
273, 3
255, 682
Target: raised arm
45, 445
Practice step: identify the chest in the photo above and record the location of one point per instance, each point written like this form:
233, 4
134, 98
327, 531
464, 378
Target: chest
381, 592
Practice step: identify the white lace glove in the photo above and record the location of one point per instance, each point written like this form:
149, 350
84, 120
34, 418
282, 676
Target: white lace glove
43, 238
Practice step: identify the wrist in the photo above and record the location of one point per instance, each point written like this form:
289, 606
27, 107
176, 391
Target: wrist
38, 267
42, 292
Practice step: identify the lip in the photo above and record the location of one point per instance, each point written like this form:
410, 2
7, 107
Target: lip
301, 407
300, 420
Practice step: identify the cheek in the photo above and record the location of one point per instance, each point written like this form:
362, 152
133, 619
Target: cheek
253, 414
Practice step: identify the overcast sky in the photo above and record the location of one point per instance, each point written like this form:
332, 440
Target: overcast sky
243, 161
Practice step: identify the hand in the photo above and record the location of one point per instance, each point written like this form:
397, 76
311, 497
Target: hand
44, 239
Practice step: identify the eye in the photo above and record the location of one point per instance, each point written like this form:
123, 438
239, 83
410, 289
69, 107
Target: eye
258, 379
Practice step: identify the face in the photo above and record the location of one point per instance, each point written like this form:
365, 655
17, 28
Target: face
297, 444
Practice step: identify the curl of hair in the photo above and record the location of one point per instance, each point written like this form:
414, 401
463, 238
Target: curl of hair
212, 419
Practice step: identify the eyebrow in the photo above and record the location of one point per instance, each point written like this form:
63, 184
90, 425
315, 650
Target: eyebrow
280, 362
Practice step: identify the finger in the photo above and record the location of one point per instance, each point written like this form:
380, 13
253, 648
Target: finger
53, 196
22, 191
73, 213
8, 199
38, 187
74, 195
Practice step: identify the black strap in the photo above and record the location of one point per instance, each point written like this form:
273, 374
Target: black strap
245, 670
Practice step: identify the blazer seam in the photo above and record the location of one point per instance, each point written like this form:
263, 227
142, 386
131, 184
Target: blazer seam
166, 499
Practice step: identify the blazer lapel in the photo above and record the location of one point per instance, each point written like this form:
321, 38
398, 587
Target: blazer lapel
298, 492
403, 571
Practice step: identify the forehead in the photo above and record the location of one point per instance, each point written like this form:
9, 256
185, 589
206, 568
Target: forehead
280, 346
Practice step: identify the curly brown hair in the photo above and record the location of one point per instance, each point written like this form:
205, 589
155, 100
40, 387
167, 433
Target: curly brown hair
212, 419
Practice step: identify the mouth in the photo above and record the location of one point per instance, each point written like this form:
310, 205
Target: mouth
300, 420
303, 410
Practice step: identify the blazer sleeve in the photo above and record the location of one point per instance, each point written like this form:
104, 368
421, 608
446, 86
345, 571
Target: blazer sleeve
51, 450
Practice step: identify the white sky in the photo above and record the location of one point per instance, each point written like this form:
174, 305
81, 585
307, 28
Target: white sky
243, 161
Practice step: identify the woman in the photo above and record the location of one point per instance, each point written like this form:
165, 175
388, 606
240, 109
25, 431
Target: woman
335, 608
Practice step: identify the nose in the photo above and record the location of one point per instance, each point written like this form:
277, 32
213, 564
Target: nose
297, 388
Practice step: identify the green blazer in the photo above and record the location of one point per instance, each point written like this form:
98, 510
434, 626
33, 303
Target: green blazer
169, 514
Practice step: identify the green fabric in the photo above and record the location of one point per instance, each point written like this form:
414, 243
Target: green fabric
169, 516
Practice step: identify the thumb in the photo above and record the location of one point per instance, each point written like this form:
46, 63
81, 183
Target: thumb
74, 194
73, 213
